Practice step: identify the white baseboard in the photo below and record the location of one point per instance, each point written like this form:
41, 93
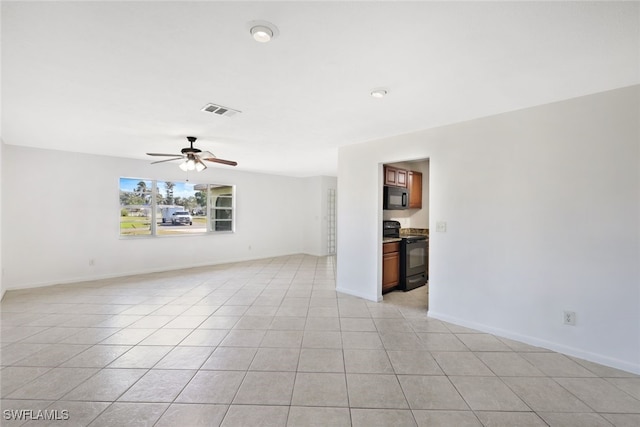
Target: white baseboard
537, 342
95, 277
369, 297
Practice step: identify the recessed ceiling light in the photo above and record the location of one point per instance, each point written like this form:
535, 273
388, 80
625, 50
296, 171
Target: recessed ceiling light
262, 31
261, 34
379, 92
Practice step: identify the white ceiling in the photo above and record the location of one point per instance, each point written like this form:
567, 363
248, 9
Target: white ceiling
125, 78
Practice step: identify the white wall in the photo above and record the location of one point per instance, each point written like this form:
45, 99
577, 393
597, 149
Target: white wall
543, 215
60, 209
2, 288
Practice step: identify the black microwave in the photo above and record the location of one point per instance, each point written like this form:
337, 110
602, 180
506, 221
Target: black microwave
395, 198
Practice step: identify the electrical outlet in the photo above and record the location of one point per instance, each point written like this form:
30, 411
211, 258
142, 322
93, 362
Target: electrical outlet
570, 318
92, 262
441, 226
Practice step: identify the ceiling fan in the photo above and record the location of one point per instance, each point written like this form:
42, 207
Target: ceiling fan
193, 157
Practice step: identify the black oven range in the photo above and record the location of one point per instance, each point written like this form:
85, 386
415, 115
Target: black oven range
414, 252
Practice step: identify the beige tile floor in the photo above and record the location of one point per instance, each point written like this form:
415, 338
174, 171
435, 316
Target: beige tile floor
271, 343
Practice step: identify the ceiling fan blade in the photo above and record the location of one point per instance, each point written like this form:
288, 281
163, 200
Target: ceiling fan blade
166, 160
165, 155
201, 163
224, 162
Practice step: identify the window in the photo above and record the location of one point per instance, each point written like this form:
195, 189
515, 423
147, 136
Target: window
161, 208
221, 207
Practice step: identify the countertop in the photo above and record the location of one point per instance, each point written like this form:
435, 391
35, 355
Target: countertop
391, 239
404, 232
414, 232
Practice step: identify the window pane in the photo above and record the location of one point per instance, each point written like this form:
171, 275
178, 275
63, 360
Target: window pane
180, 208
135, 207
223, 214
224, 201
222, 226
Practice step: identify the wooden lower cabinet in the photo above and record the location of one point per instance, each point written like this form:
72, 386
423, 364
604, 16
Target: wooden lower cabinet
390, 266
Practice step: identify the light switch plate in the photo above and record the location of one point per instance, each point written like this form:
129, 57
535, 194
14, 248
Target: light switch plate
441, 226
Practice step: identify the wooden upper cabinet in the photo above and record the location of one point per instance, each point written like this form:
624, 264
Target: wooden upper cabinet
395, 177
390, 176
415, 190
402, 177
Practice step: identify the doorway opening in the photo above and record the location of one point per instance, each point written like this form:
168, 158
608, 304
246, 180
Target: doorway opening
405, 241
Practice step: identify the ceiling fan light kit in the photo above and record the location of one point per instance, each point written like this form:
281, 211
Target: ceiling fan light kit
191, 164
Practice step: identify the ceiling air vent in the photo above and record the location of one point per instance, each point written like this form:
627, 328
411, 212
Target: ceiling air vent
219, 110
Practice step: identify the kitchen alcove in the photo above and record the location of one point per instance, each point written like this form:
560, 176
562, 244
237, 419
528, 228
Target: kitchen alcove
414, 175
